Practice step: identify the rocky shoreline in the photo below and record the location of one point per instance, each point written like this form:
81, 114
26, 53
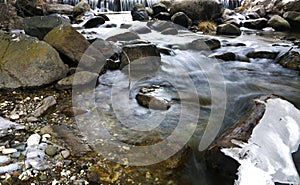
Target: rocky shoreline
58, 51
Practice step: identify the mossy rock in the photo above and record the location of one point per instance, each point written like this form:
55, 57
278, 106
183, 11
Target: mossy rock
27, 62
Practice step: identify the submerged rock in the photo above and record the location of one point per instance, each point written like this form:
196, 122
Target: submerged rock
39, 26
27, 62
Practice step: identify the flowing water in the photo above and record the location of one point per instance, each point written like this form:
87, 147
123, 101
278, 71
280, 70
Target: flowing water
127, 5
224, 90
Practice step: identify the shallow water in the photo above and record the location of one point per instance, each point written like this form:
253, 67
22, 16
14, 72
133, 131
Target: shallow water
224, 90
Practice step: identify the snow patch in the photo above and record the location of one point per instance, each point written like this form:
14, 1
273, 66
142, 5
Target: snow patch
266, 158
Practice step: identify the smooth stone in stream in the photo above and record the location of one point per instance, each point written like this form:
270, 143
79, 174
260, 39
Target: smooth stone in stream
181, 19
227, 56
205, 44
228, 29
290, 59
152, 102
279, 23
262, 54
94, 22
256, 23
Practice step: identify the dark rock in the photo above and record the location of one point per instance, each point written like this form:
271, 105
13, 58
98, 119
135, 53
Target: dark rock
27, 62
68, 42
205, 44
94, 22
30, 7
198, 10
51, 150
164, 16
59, 9
81, 8
181, 19
262, 54
252, 15
165, 50
141, 55
256, 23
292, 6
79, 79
139, 13
233, 44
113, 64
39, 26
44, 106
228, 29
158, 8
127, 36
152, 102
290, 59
240, 131
228, 56
293, 18
279, 23
9, 20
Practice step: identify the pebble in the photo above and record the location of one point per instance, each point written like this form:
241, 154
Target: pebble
51, 150
6, 151
65, 154
34, 139
32, 119
16, 155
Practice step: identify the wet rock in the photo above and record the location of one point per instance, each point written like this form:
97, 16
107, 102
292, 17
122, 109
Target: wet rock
94, 22
241, 131
140, 29
140, 56
205, 44
252, 15
44, 106
165, 16
181, 19
139, 13
290, 59
39, 26
293, 18
152, 102
256, 23
292, 6
169, 31
161, 25
59, 9
228, 29
198, 10
68, 42
127, 36
228, 56
27, 62
279, 23
262, 54
151, 98
242, 58
158, 8
79, 79
81, 8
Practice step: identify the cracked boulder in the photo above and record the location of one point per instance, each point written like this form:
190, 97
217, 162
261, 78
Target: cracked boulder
28, 62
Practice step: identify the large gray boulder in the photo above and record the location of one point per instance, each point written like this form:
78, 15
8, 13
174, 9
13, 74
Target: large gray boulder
39, 26
27, 62
198, 10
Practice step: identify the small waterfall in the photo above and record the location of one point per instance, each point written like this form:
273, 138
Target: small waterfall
113, 5
231, 4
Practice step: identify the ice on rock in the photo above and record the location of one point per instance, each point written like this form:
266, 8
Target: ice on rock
266, 157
